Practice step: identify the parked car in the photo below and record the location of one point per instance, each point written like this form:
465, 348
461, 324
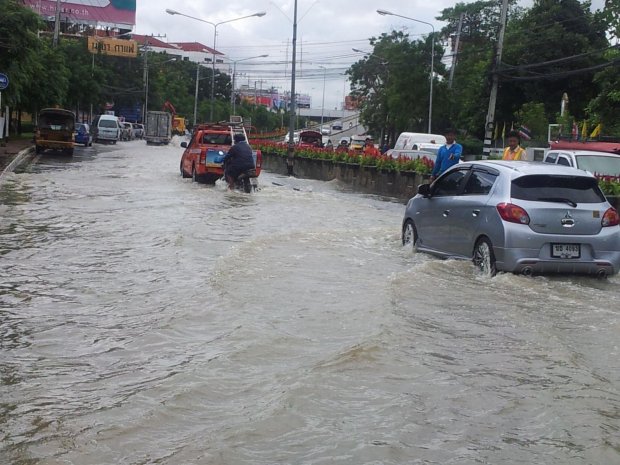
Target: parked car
138, 130
337, 127
54, 130
310, 139
604, 163
82, 135
126, 131
357, 143
295, 137
106, 128
516, 217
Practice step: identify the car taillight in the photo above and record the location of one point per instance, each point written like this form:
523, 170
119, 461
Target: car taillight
610, 218
513, 213
203, 157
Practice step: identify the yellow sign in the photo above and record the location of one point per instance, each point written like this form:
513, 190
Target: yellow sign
113, 47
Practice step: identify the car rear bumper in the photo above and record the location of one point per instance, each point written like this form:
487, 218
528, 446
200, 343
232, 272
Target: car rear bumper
54, 144
528, 261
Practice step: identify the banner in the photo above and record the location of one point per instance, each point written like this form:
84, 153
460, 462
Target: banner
113, 13
113, 47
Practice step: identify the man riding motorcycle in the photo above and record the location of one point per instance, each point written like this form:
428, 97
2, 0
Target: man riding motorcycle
238, 160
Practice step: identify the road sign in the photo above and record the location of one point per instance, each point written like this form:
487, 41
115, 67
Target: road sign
4, 81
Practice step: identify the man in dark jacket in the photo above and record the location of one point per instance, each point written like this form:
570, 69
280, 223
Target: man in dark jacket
238, 159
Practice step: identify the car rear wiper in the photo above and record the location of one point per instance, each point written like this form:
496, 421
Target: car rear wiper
559, 200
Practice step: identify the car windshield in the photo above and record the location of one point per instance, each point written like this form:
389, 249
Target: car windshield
599, 164
107, 123
81, 128
571, 190
217, 138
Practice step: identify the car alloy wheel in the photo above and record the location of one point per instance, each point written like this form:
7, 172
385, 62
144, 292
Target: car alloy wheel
484, 258
410, 235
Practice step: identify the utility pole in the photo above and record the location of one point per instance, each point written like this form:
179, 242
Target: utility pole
56, 24
456, 50
291, 126
490, 121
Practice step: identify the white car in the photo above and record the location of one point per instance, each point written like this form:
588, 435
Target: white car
603, 163
295, 137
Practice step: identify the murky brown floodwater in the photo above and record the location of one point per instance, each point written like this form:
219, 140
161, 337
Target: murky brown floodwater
145, 319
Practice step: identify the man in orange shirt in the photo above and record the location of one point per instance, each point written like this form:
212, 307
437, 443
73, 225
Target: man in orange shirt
370, 149
514, 151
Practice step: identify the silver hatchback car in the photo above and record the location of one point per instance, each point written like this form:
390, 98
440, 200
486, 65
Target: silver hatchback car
516, 217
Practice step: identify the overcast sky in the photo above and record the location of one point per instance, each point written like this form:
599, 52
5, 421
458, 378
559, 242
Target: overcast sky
327, 32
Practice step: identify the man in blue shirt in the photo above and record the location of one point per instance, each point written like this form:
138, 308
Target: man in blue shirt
448, 155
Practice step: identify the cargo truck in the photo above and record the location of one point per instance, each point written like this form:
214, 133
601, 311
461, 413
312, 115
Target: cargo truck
158, 129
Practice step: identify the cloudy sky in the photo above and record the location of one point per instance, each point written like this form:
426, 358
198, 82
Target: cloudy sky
327, 32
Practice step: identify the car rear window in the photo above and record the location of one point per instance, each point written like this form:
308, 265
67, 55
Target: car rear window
107, 123
216, 138
543, 187
599, 164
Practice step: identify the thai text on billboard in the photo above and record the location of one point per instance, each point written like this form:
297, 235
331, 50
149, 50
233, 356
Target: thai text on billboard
103, 12
113, 47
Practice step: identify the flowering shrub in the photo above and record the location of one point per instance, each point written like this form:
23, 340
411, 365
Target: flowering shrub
383, 162
610, 185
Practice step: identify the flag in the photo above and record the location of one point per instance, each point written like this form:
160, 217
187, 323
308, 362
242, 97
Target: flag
504, 131
597, 131
584, 130
575, 133
496, 133
512, 127
525, 132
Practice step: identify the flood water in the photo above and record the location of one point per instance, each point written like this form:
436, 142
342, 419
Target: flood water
146, 319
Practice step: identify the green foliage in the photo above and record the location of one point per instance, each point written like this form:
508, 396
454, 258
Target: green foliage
611, 16
548, 31
606, 105
610, 185
383, 82
532, 115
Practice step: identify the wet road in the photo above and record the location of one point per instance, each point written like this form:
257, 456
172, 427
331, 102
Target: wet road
145, 319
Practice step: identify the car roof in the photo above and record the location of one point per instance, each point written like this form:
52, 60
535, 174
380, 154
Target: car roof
585, 152
517, 169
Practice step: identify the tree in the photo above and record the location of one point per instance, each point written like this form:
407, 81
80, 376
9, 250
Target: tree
546, 53
474, 59
21, 57
393, 83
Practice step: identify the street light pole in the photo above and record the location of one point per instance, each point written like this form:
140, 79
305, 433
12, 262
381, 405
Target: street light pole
432, 73
215, 25
233, 104
196, 94
323, 102
291, 125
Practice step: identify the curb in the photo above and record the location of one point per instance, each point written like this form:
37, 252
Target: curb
20, 158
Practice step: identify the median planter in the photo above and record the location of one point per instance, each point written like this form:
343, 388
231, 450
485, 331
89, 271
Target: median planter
364, 178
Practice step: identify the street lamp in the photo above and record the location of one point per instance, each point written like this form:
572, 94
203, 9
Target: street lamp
430, 98
323, 101
370, 54
232, 93
215, 25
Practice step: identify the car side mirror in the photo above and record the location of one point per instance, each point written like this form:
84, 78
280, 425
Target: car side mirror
424, 190
184, 145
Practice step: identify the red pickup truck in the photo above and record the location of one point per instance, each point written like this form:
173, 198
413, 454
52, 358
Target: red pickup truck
203, 156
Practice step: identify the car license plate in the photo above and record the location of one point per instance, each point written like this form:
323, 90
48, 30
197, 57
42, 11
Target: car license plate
565, 250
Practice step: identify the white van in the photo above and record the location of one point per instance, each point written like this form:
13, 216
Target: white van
407, 140
106, 128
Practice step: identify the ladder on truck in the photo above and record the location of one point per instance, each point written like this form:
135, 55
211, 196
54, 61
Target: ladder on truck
237, 127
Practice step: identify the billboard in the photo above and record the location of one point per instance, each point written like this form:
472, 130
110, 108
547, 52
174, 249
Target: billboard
111, 13
113, 47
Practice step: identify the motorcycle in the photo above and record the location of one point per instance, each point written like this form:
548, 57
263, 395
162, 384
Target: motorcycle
247, 181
